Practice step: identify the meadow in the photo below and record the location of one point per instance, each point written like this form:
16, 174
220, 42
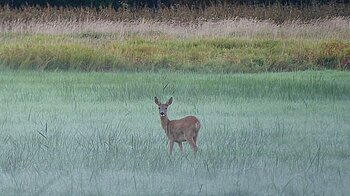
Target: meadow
73, 133
269, 84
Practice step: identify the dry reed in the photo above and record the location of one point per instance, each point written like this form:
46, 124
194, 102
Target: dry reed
334, 28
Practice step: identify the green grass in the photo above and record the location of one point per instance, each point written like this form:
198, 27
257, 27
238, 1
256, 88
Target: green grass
99, 133
220, 55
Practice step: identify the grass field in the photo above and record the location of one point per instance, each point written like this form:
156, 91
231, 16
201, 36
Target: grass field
68, 130
66, 133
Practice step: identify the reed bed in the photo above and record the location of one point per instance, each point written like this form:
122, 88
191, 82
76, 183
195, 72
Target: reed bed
276, 13
322, 29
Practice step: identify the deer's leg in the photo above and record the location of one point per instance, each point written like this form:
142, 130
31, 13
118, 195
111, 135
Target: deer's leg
171, 145
195, 136
180, 146
193, 145
195, 139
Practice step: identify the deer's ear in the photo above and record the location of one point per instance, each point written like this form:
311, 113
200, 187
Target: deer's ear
156, 101
169, 101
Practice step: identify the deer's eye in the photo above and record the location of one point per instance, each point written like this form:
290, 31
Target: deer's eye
166, 108
158, 108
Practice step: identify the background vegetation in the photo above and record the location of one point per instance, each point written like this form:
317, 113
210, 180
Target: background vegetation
104, 52
100, 134
278, 13
218, 38
75, 39
157, 4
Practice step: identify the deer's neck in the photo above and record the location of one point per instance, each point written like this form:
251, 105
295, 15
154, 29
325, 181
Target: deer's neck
164, 121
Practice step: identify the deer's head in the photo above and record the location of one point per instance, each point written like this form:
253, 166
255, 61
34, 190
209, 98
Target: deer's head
163, 107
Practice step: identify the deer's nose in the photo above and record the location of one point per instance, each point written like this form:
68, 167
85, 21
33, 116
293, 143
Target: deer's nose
161, 113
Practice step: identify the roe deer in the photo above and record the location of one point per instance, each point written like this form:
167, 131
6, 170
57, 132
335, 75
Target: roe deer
184, 129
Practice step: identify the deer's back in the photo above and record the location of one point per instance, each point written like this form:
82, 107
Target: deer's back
188, 125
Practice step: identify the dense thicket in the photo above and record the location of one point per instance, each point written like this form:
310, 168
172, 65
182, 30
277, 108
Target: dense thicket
159, 3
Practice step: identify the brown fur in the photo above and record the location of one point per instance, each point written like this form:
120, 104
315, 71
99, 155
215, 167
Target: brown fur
184, 129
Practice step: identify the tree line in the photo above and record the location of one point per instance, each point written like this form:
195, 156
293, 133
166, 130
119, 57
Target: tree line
156, 4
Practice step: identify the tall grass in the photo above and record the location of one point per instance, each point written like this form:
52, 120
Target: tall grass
322, 29
277, 13
99, 133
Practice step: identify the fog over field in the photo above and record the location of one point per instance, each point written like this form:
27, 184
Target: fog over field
99, 133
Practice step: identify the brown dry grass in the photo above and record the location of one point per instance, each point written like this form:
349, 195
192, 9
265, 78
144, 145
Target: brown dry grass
323, 29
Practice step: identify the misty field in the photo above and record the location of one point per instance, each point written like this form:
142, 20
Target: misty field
66, 133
